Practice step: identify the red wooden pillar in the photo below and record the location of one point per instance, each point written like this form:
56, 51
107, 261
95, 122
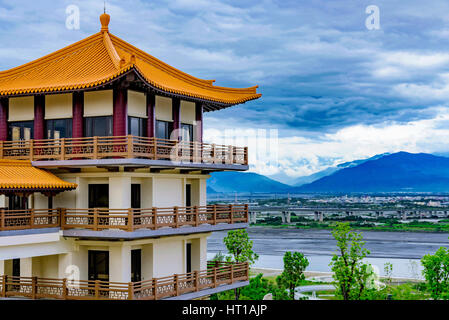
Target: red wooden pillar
4, 119
120, 115
151, 112
78, 114
39, 117
176, 107
199, 121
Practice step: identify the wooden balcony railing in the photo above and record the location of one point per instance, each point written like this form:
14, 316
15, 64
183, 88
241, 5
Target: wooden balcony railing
122, 219
29, 219
154, 289
122, 147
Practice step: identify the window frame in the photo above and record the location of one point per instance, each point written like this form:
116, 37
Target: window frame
89, 125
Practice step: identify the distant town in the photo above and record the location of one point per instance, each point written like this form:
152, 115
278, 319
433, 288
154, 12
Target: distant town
420, 213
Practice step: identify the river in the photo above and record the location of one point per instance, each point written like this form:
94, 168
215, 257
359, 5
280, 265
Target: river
402, 249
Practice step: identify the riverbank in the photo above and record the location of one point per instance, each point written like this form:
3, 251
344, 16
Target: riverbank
325, 277
412, 226
403, 249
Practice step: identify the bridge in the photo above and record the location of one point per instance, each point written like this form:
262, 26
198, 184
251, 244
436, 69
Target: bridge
318, 212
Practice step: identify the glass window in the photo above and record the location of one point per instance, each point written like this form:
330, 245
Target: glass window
98, 127
98, 262
163, 129
21, 130
98, 196
186, 132
59, 128
136, 265
135, 196
137, 126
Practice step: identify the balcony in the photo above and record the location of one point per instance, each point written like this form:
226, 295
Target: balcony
96, 150
148, 222
218, 275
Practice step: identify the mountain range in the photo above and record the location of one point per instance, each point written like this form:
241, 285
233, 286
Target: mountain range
328, 171
398, 172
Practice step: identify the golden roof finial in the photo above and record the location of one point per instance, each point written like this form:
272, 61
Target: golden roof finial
104, 19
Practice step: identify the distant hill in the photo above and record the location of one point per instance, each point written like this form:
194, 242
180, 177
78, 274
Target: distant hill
399, 172
327, 172
229, 182
210, 190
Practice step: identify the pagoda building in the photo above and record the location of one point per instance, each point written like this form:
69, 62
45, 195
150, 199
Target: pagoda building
103, 173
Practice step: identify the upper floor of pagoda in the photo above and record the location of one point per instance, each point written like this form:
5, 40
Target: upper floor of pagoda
103, 58
102, 98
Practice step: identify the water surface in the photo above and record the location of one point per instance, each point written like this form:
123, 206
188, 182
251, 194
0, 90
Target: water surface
402, 249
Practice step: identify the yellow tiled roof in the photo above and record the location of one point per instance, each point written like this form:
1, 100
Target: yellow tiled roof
19, 174
103, 57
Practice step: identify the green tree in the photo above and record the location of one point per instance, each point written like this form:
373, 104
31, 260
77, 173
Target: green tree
388, 270
353, 278
241, 249
220, 257
436, 273
295, 263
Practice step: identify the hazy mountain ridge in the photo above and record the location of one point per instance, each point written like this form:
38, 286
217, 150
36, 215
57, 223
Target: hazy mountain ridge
398, 172
329, 171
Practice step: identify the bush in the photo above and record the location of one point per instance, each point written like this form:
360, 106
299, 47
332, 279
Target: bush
257, 289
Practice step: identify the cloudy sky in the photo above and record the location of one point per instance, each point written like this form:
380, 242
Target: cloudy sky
334, 90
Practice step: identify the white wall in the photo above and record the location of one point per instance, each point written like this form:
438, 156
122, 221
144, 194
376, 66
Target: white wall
147, 262
66, 199
203, 191
40, 201
120, 263
33, 245
120, 192
168, 192
168, 256
74, 264
3, 203
82, 193
45, 266
158, 190
147, 192
26, 267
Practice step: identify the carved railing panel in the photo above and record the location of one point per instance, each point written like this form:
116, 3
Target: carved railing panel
123, 219
158, 288
122, 147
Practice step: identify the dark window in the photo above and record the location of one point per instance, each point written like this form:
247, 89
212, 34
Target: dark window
186, 132
188, 258
98, 265
21, 130
59, 128
136, 265
98, 196
16, 267
135, 196
17, 202
163, 129
137, 126
188, 195
98, 127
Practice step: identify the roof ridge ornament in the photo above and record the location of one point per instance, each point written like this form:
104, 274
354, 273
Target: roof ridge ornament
105, 19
